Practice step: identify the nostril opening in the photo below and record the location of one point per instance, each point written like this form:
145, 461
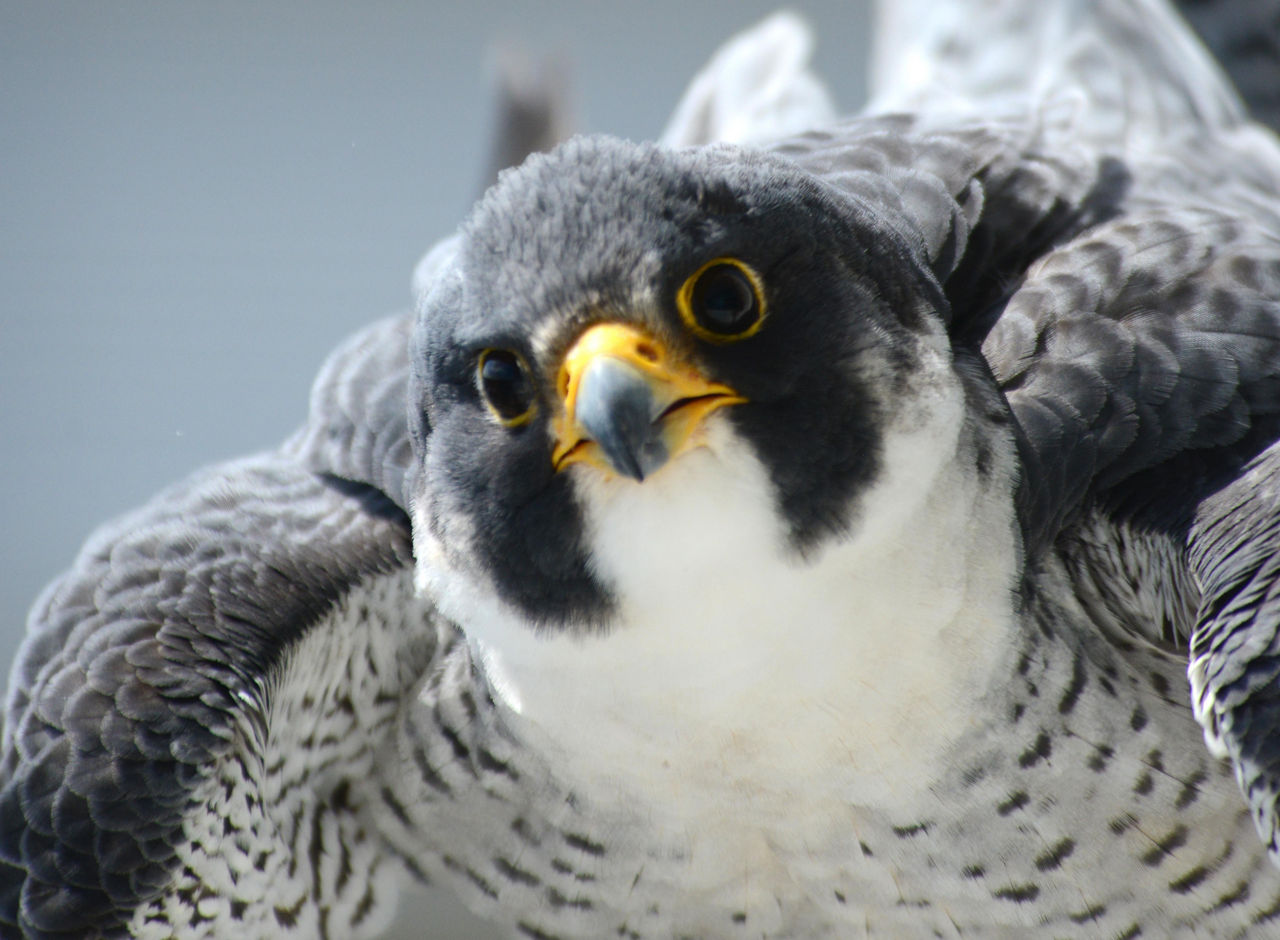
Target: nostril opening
646, 352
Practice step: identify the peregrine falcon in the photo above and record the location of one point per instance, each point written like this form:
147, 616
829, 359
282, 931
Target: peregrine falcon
855, 532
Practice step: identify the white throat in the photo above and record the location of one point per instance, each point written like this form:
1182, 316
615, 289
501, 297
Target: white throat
741, 676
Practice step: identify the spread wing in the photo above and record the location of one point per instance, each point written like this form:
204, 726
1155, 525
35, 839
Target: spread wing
152, 659
1127, 325
1117, 264
758, 86
1112, 249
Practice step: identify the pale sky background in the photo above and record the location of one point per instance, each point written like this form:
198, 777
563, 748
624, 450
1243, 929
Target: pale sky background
198, 200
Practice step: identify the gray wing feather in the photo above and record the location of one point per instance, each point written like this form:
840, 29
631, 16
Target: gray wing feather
166, 632
1117, 264
1122, 328
1139, 353
1132, 70
757, 86
1150, 336
1235, 650
357, 428
978, 199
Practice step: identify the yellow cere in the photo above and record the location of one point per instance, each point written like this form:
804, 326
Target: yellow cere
689, 395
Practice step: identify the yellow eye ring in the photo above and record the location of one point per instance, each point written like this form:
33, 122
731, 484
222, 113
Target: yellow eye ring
722, 301
506, 387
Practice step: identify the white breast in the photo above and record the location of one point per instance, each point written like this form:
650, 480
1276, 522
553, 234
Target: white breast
742, 680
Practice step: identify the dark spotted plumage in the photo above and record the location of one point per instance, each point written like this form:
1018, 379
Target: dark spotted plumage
148, 659
1004, 472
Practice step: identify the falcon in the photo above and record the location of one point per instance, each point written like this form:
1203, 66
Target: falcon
867, 530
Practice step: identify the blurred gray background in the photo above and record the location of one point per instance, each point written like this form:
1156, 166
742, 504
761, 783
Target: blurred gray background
199, 200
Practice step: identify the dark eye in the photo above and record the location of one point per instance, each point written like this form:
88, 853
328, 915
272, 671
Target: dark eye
504, 382
722, 301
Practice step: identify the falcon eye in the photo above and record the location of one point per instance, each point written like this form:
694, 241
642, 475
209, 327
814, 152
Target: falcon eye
504, 382
722, 301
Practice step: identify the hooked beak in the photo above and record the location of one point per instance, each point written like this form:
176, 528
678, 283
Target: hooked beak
629, 406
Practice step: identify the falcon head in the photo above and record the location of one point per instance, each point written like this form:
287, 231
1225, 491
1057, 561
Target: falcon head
623, 321
688, 435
